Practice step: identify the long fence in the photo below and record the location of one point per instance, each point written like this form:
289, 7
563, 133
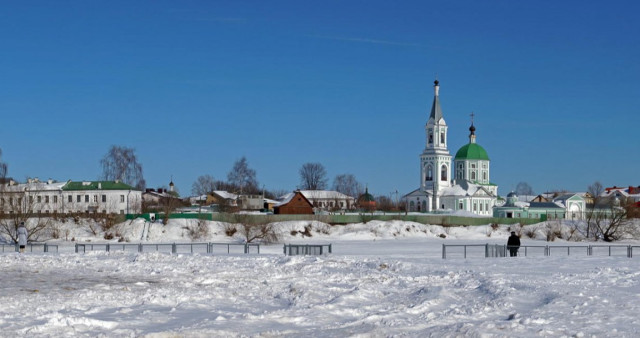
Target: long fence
209, 248
497, 250
39, 247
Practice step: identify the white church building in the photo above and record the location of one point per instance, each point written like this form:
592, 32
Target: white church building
469, 189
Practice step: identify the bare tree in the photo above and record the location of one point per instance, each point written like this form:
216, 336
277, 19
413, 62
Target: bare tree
23, 205
595, 190
313, 177
242, 177
4, 169
255, 228
348, 185
524, 189
121, 163
384, 203
609, 220
203, 185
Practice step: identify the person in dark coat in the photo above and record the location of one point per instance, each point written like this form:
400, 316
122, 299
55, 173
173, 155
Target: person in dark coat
513, 244
22, 236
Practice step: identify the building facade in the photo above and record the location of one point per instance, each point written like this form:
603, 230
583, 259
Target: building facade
38, 197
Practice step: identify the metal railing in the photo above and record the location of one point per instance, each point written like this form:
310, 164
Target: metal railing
174, 248
29, 247
306, 249
497, 250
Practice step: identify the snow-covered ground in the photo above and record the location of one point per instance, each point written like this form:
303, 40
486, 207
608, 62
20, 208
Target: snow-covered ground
382, 279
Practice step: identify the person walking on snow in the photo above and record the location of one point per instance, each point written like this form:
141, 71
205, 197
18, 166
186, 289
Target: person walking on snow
22, 237
513, 244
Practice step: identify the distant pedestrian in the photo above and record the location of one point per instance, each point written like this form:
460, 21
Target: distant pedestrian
22, 236
513, 244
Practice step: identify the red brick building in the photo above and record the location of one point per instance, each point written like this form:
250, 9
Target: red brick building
296, 204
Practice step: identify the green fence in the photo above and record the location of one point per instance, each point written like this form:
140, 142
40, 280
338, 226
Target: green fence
343, 219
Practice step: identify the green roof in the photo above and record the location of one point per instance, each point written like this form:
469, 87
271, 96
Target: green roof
97, 185
472, 151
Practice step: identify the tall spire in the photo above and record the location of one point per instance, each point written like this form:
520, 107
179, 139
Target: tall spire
436, 111
472, 130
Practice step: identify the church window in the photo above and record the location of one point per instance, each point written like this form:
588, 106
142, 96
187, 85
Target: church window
443, 173
429, 173
473, 175
480, 206
459, 175
442, 137
430, 137
475, 207
473, 166
484, 175
460, 206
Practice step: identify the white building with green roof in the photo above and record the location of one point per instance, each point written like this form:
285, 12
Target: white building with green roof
469, 189
71, 197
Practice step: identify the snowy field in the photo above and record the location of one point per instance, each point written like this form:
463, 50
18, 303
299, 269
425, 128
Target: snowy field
378, 282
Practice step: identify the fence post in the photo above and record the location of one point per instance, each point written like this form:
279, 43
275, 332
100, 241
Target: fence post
76, 247
108, 247
174, 248
284, 249
140, 247
329, 248
629, 251
444, 252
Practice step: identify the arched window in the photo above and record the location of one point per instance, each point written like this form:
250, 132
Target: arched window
443, 173
473, 175
442, 137
429, 173
430, 136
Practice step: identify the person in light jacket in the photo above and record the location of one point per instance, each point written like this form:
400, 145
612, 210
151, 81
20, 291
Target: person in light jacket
22, 236
513, 244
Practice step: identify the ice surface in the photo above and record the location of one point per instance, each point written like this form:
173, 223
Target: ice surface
383, 279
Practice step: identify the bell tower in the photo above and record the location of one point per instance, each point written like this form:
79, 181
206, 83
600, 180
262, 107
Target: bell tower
435, 161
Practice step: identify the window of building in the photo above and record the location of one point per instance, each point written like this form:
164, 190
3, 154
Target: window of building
39, 199
460, 206
31, 199
95, 198
475, 207
484, 175
473, 175
79, 198
121, 198
46, 199
55, 199
430, 137
442, 137
104, 198
481, 207
122, 212
473, 166
86, 198
429, 173
443, 173
70, 199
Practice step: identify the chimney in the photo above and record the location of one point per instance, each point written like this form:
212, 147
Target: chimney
49, 181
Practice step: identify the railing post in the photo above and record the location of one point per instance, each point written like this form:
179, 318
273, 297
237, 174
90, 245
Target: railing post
444, 252
329, 248
465, 252
108, 247
76, 247
284, 249
486, 250
139, 247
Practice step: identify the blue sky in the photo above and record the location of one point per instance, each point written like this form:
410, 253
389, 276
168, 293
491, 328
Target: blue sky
195, 85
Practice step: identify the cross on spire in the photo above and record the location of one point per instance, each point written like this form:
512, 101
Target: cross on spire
472, 115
